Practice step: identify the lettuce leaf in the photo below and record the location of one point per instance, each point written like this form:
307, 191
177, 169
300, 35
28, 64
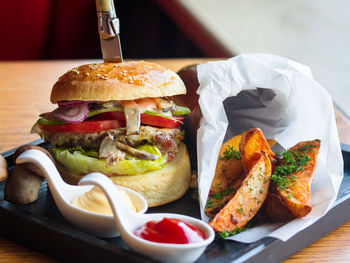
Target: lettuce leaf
181, 110
78, 161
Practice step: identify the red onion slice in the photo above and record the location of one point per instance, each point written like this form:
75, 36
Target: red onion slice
70, 103
73, 114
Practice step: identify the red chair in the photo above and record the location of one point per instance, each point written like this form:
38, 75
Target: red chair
44, 29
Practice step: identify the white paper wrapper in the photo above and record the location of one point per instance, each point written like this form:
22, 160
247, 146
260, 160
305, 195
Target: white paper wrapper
288, 105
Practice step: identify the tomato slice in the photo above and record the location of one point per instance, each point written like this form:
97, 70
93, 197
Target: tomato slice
84, 127
112, 120
150, 119
110, 115
160, 121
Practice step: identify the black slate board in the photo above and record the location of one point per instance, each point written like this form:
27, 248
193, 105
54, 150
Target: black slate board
41, 227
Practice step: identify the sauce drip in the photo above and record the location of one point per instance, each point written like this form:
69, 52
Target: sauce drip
170, 230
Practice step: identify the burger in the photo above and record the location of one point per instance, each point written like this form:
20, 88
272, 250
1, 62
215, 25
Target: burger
119, 119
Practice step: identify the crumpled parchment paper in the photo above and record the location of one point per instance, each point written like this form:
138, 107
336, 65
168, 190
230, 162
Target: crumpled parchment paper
280, 97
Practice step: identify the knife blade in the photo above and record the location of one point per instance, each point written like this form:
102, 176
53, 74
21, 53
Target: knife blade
108, 28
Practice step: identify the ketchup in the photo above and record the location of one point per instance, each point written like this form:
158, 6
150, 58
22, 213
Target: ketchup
170, 230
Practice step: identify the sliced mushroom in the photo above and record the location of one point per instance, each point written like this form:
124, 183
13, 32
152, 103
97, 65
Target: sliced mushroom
113, 150
3, 169
137, 153
109, 151
22, 187
30, 166
23, 184
132, 117
166, 105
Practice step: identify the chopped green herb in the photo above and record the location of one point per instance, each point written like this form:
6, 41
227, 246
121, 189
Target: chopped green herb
225, 234
240, 210
209, 204
292, 161
231, 153
228, 190
281, 181
217, 196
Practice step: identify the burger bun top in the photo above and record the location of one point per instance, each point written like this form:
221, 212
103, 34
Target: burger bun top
117, 81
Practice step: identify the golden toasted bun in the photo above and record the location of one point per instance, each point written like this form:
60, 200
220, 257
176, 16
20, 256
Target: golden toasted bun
117, 81
157, 187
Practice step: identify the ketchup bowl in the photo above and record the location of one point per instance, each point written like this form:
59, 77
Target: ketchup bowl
190, 235
169, 252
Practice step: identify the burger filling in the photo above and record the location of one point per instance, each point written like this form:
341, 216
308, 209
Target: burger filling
115, 137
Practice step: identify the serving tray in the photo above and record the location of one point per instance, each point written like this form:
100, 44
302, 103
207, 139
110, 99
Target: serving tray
40, 226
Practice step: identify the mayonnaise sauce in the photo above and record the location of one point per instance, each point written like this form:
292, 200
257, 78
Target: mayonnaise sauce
96, 201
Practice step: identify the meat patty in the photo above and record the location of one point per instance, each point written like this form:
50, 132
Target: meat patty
165, 139
166, 144
73, 139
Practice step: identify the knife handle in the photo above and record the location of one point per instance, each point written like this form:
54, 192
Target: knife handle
105, 6
108, 23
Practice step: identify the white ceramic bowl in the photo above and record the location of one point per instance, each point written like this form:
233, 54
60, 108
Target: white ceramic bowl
95, 223
128, 221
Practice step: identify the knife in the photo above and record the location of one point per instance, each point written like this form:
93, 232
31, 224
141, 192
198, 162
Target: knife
108, 28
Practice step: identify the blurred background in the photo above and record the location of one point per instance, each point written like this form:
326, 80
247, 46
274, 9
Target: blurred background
66, 29
313, 32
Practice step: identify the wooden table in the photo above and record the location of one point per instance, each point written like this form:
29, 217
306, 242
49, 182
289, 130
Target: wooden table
24, 91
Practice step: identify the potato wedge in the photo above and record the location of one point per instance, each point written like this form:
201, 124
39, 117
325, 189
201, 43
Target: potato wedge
219, 199
228, 167
271, 142
251, 145
295, 188
247, 200
274, 209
